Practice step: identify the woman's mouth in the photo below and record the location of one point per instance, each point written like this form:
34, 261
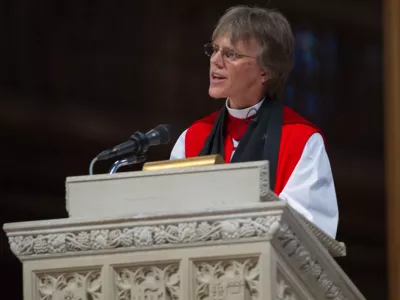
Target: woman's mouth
217, 78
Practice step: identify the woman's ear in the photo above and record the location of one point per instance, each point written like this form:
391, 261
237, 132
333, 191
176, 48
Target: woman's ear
265, 77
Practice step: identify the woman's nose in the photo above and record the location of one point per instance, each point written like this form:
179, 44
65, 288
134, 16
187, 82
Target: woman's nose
217, 59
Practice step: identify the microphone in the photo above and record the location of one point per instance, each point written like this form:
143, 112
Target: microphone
138, 143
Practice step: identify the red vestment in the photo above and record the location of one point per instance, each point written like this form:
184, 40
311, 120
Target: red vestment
295, 133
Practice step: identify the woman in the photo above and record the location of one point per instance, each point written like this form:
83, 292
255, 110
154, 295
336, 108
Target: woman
251, 56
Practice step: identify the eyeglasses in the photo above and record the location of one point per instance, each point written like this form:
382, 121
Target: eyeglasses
210, 49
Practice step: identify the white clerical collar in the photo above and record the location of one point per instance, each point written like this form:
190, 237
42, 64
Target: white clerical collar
245, 112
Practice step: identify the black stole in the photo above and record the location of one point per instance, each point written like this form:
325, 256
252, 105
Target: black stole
261, 140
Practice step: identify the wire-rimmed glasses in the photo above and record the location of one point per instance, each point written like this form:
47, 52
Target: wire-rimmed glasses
230, 54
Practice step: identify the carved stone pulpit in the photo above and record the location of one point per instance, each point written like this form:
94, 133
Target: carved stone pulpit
195, 233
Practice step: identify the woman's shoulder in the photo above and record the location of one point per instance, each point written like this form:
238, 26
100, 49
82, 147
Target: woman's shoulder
210, 119
298, 127
294, 119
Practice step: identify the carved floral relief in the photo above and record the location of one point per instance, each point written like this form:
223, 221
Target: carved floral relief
70, 286
145, 236
148, 283
227, 280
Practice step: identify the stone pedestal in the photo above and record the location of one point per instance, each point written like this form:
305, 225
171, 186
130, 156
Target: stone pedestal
218, 250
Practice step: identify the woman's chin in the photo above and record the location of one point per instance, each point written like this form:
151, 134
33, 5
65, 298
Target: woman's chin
216, 93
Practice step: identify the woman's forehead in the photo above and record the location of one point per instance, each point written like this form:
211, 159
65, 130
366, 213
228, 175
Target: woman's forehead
242, 43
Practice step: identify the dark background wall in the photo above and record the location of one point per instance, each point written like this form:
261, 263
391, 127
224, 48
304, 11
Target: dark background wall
77, 77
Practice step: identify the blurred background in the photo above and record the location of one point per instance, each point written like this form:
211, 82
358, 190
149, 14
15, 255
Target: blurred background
77, 77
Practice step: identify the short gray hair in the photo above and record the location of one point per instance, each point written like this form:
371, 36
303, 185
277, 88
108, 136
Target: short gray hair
272, 31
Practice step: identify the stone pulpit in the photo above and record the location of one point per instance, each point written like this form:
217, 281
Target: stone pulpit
212, 232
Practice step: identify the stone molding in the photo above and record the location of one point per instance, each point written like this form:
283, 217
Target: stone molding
74, 237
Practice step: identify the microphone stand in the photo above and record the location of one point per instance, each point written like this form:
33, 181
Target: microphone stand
139, 143
140, 139
127, 161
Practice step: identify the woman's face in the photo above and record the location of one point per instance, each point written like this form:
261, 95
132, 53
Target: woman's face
237, 79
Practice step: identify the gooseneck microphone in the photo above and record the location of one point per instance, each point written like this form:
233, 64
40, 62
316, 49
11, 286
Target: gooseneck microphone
138, 144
